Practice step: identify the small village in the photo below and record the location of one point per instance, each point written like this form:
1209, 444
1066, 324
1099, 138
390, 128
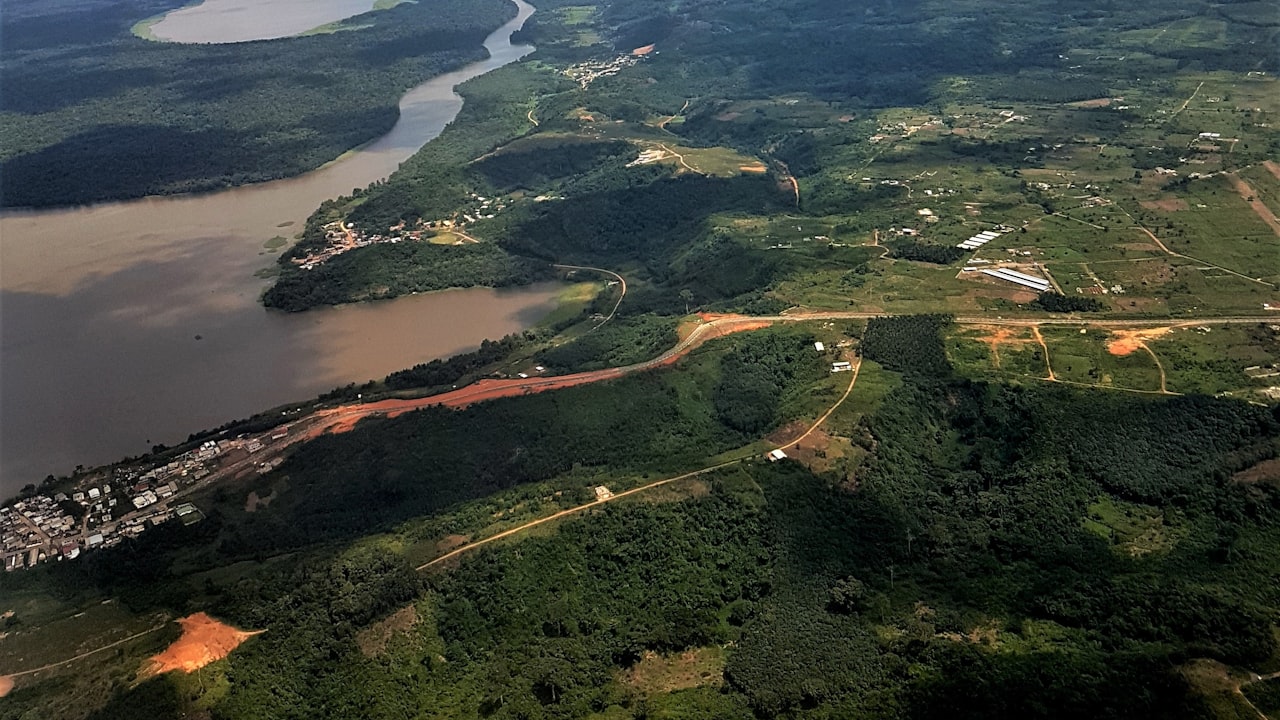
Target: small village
106, 508
588, 72
342, 237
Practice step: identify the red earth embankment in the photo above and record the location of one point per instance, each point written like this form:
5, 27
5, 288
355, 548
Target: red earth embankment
344, 418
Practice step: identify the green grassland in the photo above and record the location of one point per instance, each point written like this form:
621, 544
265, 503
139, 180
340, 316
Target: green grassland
1232, 360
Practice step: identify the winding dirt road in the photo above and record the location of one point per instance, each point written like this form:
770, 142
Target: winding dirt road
853, 378
343, 418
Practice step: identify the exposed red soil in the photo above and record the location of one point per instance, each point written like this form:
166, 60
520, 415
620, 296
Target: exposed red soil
204, 640
1267, 471
1128, 341
344, 418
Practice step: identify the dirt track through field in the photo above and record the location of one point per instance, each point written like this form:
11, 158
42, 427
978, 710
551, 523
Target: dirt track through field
344, 418
1044, 347
6, 681
1260, 208
853, 378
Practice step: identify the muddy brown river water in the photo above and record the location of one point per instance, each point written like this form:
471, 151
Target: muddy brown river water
127, 324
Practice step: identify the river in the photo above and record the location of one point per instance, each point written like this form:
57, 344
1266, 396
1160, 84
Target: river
133, 323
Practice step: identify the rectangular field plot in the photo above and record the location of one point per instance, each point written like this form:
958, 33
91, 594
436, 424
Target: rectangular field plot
1103, 358
1006, 351
1220, 227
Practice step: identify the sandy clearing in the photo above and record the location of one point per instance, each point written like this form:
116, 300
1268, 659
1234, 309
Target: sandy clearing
1267, 471
374, 639
204, 640
1124, 342
993, 336
1167, 205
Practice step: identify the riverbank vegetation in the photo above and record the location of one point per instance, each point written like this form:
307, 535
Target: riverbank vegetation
401, 269
91, 112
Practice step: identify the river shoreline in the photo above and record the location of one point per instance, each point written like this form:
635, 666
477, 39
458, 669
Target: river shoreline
132, 323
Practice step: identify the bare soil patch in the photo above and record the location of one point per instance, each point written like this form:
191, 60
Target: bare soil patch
993, 336
728, 116
1166, 205
1095, 103
1259, 208
1124, 342
451, 542
752, 168
204, 640
373, 640
1273, 167
1139, 246
6, 685
820, 450
665, 673
787, 433
253, 502
1267, 471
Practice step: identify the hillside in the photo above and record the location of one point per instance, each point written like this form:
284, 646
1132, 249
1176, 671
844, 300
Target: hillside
920, 363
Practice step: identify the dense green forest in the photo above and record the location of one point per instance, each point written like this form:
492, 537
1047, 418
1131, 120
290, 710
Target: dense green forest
91, 112
388, 270
1057, 302
1001, 551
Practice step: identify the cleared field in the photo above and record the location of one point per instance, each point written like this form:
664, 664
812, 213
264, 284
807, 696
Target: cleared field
1005, 351
30, 646
1214, 360
571, 301
1085, 358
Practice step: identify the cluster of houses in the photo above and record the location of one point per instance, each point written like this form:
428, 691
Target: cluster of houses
588, 72
895, 131
341, 237
33, 529
101, 512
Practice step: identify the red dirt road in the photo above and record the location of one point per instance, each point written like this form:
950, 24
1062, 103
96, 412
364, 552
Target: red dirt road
344, 418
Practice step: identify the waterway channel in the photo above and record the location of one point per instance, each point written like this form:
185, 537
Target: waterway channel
127, 324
